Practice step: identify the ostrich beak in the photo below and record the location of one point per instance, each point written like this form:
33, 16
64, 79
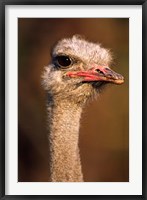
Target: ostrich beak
98, 73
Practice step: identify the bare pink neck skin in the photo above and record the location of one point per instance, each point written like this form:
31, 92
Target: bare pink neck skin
64, 136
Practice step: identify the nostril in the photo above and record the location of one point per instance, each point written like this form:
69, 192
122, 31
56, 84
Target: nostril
99, 71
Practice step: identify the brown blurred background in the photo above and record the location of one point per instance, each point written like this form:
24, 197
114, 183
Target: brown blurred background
104, 134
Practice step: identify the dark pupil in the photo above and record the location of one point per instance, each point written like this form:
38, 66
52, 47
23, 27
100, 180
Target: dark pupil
63, 61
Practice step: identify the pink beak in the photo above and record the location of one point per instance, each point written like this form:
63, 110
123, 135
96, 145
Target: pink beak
99, 73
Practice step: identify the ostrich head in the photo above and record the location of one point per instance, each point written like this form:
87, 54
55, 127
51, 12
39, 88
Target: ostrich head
79, 69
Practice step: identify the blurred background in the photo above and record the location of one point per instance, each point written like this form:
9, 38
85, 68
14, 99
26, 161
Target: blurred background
104, 131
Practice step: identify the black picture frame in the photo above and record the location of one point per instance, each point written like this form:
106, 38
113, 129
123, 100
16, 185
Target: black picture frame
3, 3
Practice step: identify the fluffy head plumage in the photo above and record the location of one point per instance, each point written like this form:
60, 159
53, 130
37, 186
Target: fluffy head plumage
83, 50
83, 55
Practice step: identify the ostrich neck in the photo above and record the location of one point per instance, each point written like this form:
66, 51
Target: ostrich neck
64, 119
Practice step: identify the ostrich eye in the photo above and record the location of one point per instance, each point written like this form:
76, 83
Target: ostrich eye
63, 61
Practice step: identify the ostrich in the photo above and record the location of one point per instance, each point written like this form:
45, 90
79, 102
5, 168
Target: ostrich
79, 70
